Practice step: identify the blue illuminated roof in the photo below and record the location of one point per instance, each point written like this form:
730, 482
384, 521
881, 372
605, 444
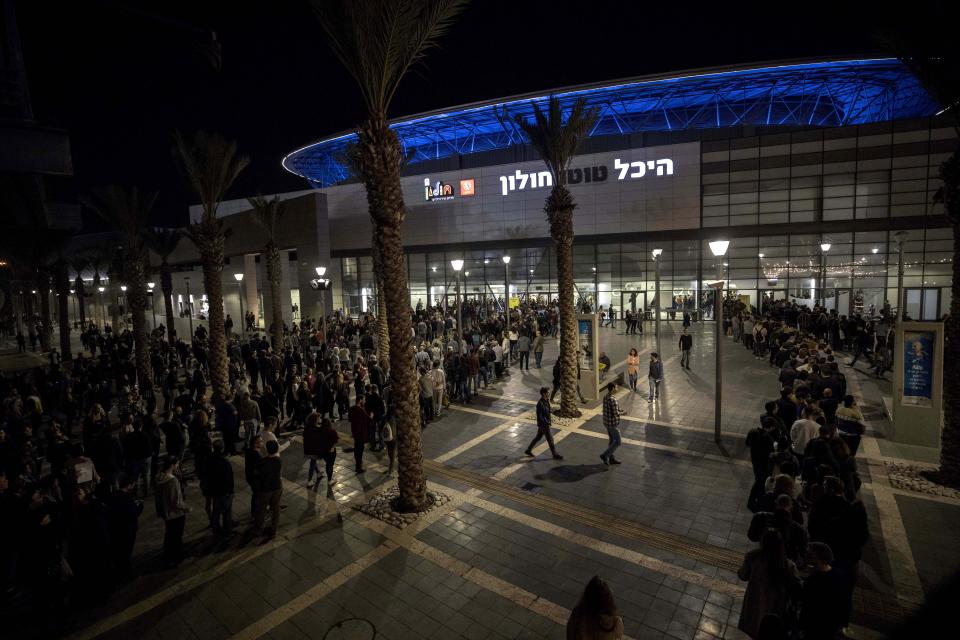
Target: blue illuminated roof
822, 94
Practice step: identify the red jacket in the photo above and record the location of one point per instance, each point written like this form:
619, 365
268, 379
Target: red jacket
317, 441
359, 423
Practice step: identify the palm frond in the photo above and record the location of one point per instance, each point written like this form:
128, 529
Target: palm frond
379, 40
555, 138
163, 241
267, 214
126, 209
211, 164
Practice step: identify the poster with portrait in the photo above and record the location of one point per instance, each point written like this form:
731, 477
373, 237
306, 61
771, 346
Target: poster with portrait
918, 350
585, 333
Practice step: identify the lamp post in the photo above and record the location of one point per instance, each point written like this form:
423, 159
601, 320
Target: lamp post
824, 247
901, 238
321, 271
189, 308
103, 316
506, 296
243, 322
457, 267
656, 321
719, 249
75, 315
153, 303
123, 303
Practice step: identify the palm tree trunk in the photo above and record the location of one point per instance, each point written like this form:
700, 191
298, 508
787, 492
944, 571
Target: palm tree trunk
166, 286
380, 158
559, 210
211, 259
63, 309
276, 311
383, 327
43, 288
950, 438
137, 301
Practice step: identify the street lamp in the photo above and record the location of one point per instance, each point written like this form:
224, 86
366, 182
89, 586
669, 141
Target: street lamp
153, 302
824, 247
901, 238
457, 266
243, 323
719, 249
103, 315
656, 320
123, 303
321, 271
189, 308
506, 295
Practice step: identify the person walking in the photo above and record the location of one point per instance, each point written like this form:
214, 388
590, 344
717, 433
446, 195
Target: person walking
654, 377
538, 349
544, 420
611, 420
270, 489
595, 617
312, 437
633, 368
685, 344
172, 509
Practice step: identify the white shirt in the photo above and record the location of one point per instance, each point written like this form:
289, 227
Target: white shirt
498, 353
439, 378
802, 432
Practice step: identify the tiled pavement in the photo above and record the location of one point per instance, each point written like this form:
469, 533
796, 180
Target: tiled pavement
508, 558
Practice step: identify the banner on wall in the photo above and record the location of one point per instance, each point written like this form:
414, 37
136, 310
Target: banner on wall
918, 363
514, 302
585, 351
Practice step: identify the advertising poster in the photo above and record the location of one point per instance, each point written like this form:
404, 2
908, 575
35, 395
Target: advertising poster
918, 368
585, 332
514, 302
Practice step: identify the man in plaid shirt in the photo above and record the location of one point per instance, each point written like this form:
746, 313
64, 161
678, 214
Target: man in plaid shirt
611, 420
543, 425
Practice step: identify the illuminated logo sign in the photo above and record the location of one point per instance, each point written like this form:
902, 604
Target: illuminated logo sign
439, 191
519, 181
639, 168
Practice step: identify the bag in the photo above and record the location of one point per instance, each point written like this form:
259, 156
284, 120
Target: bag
446, 400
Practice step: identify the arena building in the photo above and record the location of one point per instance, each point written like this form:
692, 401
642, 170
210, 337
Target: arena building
782, 159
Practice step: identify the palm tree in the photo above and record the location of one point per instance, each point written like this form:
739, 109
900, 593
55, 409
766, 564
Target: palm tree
163, 242
129, 211
378, 41
211, 164
556, 141
267, 215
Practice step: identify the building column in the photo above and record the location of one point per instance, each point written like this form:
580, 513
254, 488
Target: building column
251, 301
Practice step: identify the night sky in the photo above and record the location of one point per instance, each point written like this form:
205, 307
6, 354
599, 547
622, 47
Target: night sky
122, 76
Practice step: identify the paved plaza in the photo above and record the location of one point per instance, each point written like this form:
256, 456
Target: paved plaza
509, 555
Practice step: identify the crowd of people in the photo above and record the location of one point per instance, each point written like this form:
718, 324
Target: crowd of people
808, 521
86, 448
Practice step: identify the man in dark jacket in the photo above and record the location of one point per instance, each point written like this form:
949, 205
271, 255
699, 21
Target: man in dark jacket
218, 484
760, 443
269, 489
123, 514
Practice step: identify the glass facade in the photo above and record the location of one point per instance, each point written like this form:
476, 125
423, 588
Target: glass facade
859, 271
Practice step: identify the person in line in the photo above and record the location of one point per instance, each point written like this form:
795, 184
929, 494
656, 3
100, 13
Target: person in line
251, 459
544, 421
633, 368
823, 612
270, 489
685, 344
595, 617
611, 420
523, 348
172, 509
654, 377
772, 581
760, 442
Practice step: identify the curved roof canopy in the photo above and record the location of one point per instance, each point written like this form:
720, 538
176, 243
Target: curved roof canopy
822, 94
